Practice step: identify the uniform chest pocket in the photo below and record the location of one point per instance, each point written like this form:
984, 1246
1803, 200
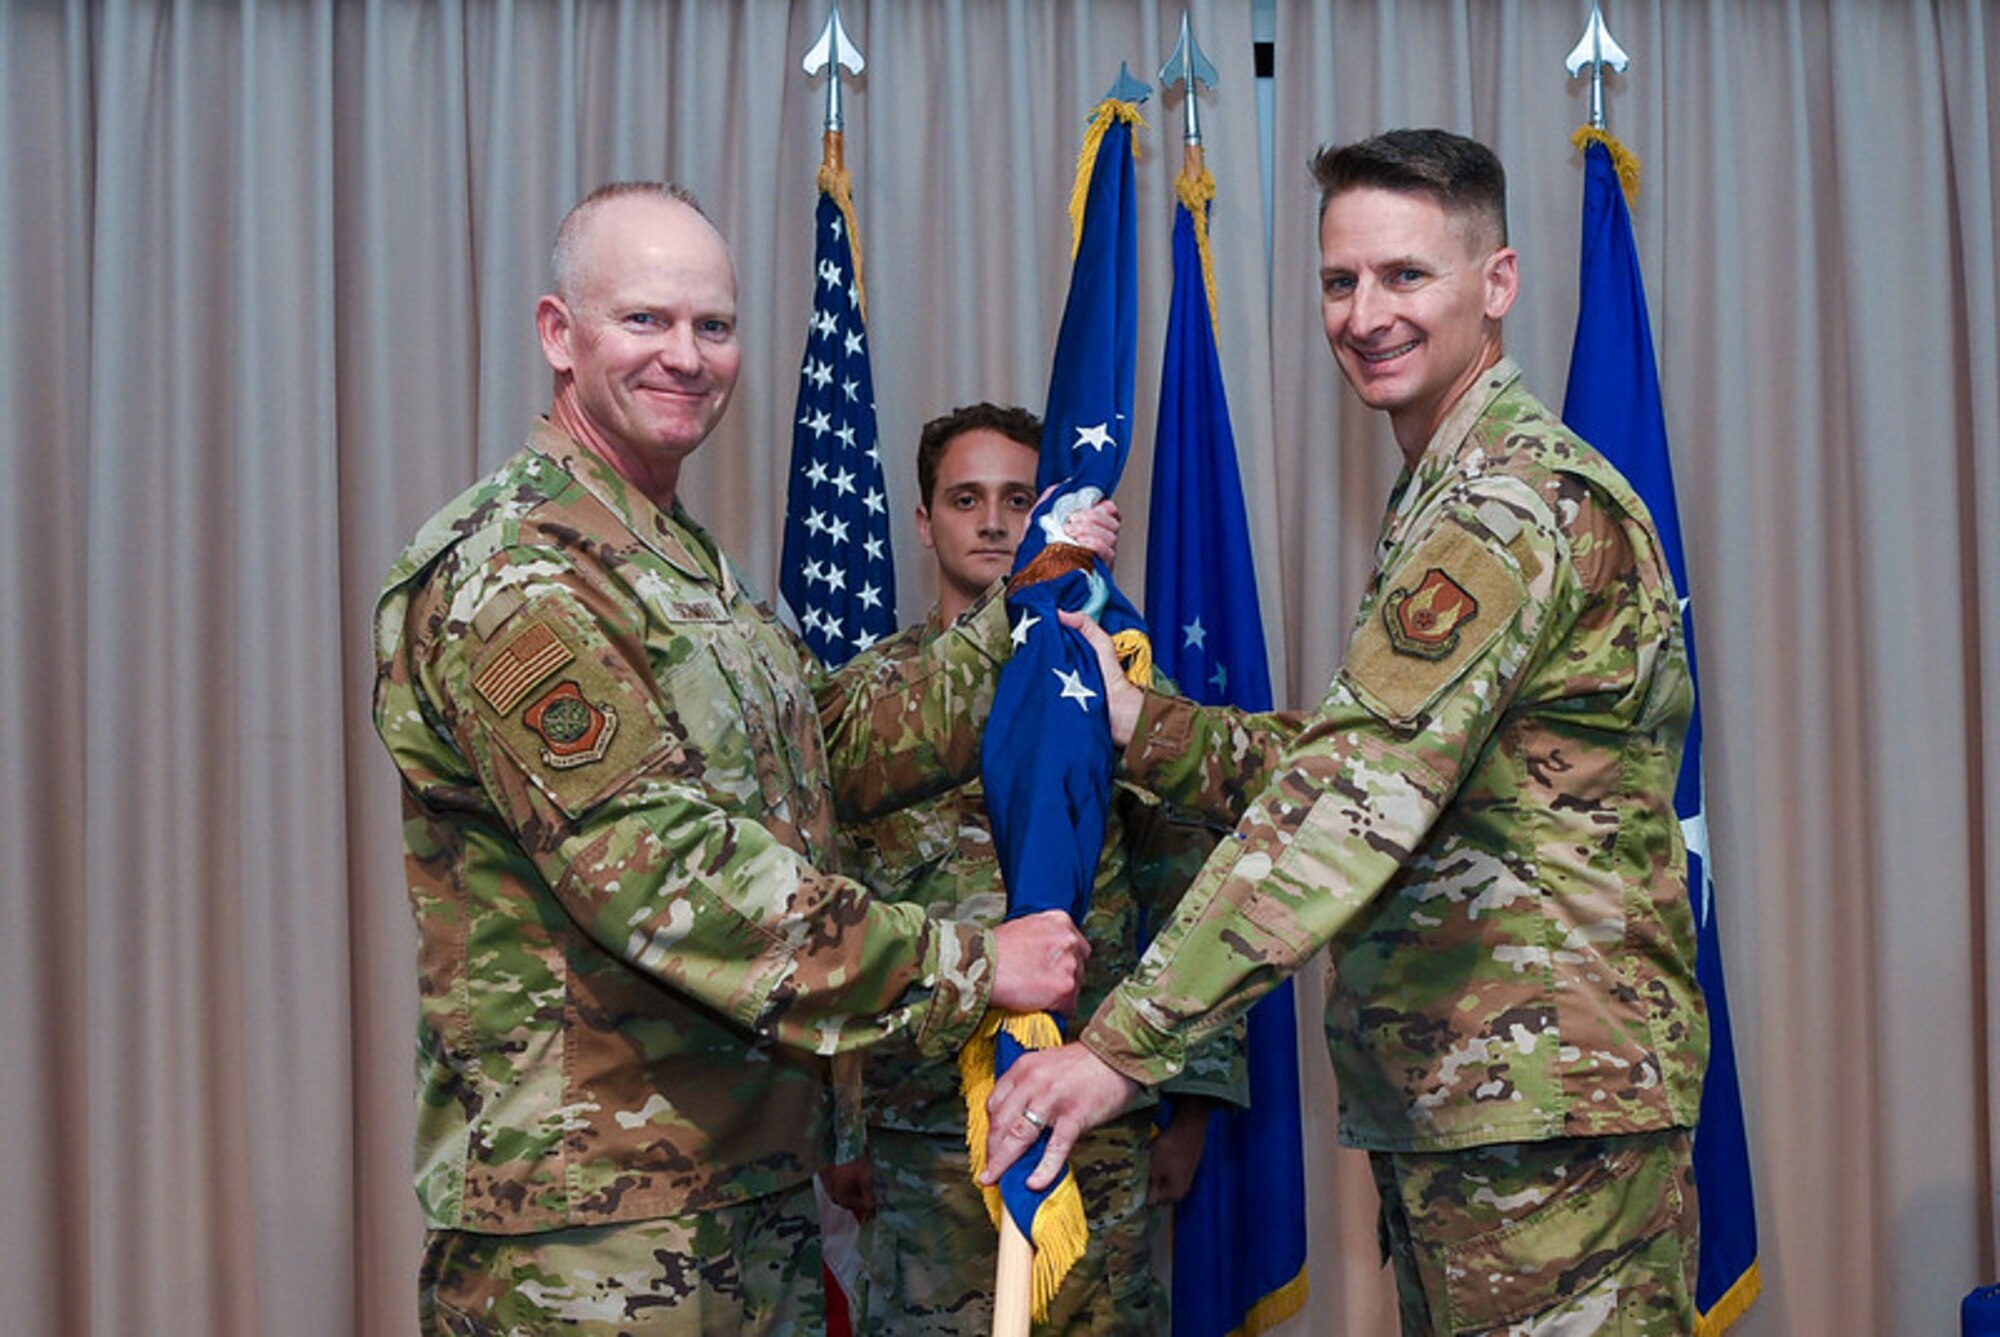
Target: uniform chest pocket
741, 695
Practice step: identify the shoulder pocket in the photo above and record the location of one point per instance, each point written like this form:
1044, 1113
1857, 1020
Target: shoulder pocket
1439, 610
565, 706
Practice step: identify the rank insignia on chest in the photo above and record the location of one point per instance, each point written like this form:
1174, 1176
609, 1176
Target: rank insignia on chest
1425, 621
573, 731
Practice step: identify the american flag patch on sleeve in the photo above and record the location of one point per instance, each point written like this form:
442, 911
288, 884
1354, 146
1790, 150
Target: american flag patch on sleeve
532, 655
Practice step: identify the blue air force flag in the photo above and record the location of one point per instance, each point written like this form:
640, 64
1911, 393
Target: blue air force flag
1613, 402
1047, 755
1240, 1234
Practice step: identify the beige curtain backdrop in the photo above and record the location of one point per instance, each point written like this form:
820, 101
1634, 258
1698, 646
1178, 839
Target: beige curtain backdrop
270, 269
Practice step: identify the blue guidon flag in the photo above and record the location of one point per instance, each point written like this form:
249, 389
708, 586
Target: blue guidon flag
1240, 1234
836, 573
1613, 402
1048, 752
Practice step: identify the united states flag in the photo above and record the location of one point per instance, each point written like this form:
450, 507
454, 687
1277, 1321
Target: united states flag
837, 575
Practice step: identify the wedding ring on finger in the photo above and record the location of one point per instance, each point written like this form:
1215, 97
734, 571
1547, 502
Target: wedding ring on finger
1037, 1120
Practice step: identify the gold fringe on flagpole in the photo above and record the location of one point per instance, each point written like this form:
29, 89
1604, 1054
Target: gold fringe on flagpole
1086, 159
1135, 656
835, 182
1060, 1232
1195, 188
1623, 160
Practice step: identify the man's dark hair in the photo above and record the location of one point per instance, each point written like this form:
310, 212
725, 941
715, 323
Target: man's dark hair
1461, 174
1016, 424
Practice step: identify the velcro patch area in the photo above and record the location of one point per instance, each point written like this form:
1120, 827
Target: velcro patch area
1440, 609
566, 709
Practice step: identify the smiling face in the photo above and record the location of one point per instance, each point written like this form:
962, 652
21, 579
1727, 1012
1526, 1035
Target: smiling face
1412, 298
642, 336
976, 514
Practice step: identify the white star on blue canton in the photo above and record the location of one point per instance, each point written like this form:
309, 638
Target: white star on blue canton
816, 474
829, 273
1097, 438
1020, 633
1197, 635
843, 482
1220, 679
820, 425
826, 323
869, 596
853, 345
820, 374
873, 547
846, 437
1073, 688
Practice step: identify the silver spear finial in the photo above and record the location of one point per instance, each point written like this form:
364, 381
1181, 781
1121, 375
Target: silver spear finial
832, 49
1596, 50
1189, 65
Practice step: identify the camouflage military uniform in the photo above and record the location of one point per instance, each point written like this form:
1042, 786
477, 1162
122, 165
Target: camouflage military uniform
616, 770
1478, 819
929, 1252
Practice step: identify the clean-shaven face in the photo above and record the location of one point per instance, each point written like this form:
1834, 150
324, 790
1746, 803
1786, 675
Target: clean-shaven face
978, 510
1412, 299
648, 333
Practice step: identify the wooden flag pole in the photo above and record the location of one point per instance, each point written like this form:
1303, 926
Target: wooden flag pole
1013, 1281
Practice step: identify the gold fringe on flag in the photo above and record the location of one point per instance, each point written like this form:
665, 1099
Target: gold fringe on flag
835, 182
1195, 188
1623, 160
1274, 1308
1734, 1302
1059, 1233
1086, 159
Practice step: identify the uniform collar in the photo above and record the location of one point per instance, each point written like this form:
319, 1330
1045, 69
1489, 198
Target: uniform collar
672, 534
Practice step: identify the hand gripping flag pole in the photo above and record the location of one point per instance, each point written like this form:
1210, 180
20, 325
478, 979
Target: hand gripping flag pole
1047, 756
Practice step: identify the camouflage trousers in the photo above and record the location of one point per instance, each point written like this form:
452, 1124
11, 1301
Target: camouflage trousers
1569, 1238
750, 1268
929, 1252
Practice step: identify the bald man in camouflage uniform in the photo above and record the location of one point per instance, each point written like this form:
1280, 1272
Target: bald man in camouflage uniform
1477, 819
928, 1246
621, 777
